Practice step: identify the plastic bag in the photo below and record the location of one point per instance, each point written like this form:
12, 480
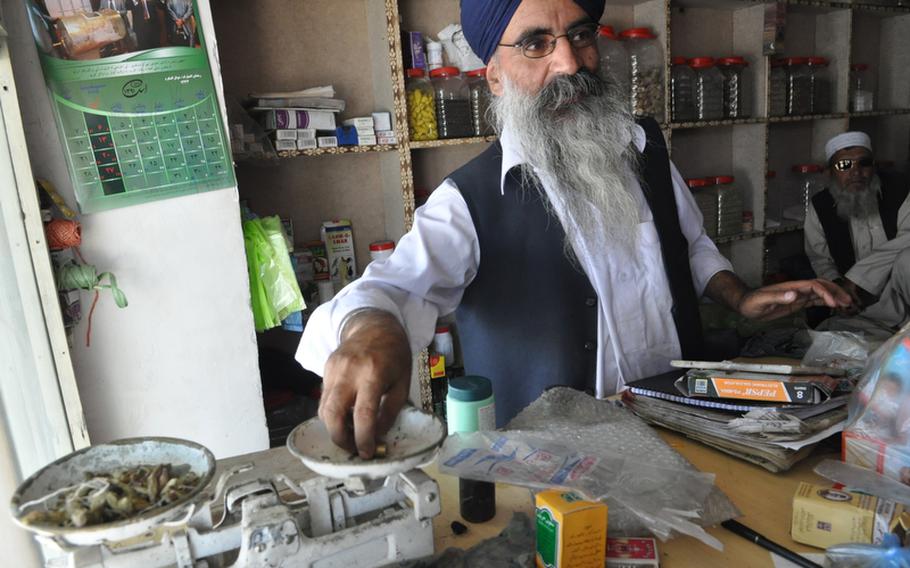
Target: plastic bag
273, 286
664, 499
840, 349
877, 435
887, 555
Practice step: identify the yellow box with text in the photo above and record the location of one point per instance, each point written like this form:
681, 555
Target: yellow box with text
571, 532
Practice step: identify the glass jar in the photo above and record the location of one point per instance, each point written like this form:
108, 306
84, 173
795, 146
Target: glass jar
421, 106
381, 250
682, 91
709, 89
799, 87
820, 85
453, 103
777, 88
862, 88
614, 61
807, 182
480, 101
706, 202
774, 200
646, 71
736, 91
729, 206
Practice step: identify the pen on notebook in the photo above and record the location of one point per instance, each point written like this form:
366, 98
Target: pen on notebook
749, 534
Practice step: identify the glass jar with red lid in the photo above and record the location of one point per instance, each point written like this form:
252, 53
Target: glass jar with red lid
807, 181
736, 90
799, 86
682, 91
614, 60
646, 72
709, 89
706, 201
480, 101
453, 103
820, 84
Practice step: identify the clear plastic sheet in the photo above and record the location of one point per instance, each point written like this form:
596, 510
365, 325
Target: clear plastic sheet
864, 480
888, 554
840, 349
569, 439
877, 435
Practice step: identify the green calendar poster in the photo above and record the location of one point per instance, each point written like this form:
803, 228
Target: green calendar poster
134, 99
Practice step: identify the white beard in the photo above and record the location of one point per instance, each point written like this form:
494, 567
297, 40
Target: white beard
857, 204
576, 133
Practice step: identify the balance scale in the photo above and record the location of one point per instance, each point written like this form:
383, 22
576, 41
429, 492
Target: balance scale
336, 511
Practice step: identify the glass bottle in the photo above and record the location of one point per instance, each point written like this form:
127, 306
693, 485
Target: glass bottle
421, 106
729, 206
778, 88
646, 70
614, 60
820, 85
735, 88
453, 103
799, 88
806, 183
480, 101
862, 88
706, 202
682, 91
709, 89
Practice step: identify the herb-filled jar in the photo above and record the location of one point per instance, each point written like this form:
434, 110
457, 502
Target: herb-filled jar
706, 202
646, 71
862, 88
806, 183
799, 87
777, 103
735, 87
729, 206
480, 101
682, 91
614, 61
820, 81
709, 89
421, 106
453, 103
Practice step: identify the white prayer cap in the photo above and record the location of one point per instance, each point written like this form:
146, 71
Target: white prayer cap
847, 140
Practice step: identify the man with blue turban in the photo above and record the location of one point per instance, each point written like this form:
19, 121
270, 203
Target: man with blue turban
570, 251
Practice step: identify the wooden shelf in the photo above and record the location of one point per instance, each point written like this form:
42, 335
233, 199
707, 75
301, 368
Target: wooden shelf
710, 123
758, 233
419, 145
338, 150
871, 113
807, 117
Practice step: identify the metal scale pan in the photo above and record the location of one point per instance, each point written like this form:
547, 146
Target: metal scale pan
71, 469
411, 442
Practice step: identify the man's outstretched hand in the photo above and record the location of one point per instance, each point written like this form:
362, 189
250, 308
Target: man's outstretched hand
779, 300
366, 381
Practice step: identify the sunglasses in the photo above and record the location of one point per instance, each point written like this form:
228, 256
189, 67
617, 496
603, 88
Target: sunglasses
846, 164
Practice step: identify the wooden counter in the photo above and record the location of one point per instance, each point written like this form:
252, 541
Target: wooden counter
764, 498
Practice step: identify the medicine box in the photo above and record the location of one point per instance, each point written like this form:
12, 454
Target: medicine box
632, 553
382, 121
571, 532
824, 516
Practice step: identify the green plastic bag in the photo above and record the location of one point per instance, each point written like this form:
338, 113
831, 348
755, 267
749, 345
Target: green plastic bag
273, 286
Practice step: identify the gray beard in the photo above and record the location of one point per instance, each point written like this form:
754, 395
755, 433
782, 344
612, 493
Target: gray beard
576, 136
857, 204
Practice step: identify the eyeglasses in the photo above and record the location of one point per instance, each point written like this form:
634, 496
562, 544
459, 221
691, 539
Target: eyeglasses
543, 44
846, 164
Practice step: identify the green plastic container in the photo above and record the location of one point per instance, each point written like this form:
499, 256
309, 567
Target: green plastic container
469, 405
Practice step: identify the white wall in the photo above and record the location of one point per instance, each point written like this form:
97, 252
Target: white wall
19, 549
181, 360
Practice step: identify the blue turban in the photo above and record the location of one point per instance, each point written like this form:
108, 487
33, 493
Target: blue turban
484, 21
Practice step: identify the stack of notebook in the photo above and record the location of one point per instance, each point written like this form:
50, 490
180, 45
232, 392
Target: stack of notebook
771, 415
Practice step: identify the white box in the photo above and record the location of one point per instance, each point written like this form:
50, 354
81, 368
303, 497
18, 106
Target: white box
282, 145
339, 246
306, 144
366, 140
360, 122
306, 133
327, 141
382, 121
285, 134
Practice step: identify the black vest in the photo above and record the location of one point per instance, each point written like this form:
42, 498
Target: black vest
837, 230
528, 320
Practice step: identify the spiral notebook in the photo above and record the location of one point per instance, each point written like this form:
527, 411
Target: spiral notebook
662, 386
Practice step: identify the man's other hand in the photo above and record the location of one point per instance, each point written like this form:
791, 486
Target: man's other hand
366, 381
779, 300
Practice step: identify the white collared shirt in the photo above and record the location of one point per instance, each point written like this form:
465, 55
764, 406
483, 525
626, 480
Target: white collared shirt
435, 262
874, 253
